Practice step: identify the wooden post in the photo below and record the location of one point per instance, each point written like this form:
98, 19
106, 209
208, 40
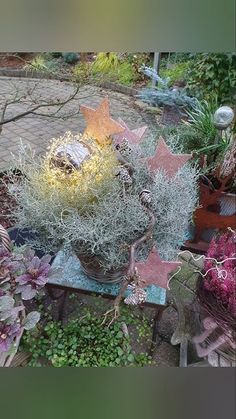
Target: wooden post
183, 359
156, 65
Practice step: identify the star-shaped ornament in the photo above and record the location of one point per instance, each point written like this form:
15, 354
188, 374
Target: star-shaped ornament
100, 125
164, 159
132, 136
155, 271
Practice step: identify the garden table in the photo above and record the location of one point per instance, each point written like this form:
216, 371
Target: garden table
69, 277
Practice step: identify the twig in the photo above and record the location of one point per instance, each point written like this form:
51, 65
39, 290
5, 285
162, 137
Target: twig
131, 273
41, 105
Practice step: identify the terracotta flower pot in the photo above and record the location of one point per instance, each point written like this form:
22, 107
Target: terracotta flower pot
208, 220
227, 208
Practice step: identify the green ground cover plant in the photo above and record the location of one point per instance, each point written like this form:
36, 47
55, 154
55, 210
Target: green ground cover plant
85, 342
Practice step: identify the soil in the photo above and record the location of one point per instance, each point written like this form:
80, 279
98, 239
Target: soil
7, 203
12, 61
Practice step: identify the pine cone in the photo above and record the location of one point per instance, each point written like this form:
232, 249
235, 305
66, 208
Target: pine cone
124, 146
145, 197
124, 176
138, 296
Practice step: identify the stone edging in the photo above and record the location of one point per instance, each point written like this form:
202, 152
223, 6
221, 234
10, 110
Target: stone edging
11, 72
116, 87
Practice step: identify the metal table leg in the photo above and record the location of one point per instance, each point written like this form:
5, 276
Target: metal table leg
157, 317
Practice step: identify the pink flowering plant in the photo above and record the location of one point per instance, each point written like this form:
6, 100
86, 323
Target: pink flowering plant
220, 271
22, 276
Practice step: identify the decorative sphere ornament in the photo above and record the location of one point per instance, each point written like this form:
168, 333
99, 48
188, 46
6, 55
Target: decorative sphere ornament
223, 117
70, 156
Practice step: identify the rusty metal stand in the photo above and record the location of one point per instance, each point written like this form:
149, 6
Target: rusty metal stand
61, 298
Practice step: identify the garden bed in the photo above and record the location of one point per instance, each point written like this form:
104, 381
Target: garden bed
11, 61
51, 66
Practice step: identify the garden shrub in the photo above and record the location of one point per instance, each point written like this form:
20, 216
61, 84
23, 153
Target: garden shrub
175, 72
42, 62
213, 74
70, 57
199, 134
126, 73
125, 70
56, 54
201, 119
87, 208
162, 94
38, 63
81, 71
105, 63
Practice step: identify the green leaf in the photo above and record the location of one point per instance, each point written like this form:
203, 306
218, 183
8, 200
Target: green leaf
31, 320
120, 351
130, 358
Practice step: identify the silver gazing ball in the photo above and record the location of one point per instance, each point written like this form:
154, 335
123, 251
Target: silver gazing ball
223, 117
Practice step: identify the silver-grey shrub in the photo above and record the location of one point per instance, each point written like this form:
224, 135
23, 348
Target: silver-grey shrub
108, 225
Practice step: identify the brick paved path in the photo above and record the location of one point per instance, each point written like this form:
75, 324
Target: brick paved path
38, 130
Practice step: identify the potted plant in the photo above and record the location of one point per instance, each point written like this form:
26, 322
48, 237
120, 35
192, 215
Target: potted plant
216, 296
102, 195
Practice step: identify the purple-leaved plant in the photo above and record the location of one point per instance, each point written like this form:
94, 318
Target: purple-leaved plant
8, 332
22, 275
34, 278
9, 264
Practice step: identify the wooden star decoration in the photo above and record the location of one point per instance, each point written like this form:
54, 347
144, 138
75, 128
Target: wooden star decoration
100, 125
155, 271
133, 136
165, 160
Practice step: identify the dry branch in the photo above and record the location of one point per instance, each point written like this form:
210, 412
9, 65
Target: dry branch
131, 273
